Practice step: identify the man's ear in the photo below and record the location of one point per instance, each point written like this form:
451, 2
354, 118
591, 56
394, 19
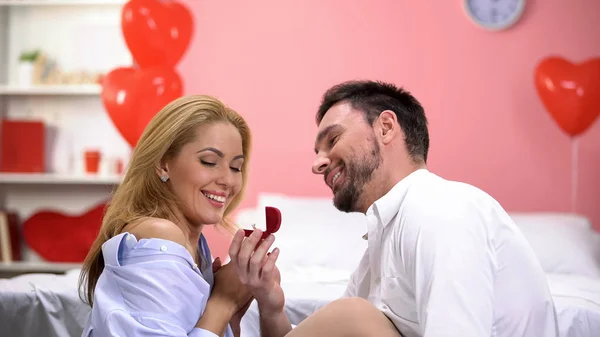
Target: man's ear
387, 123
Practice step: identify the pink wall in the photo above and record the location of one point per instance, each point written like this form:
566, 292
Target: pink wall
272, 60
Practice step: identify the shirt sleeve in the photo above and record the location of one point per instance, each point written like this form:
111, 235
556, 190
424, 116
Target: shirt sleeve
122, 323
351, 288
452, 265
197, 332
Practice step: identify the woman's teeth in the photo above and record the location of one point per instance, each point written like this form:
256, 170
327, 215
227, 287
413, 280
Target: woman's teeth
337, 175
214, 197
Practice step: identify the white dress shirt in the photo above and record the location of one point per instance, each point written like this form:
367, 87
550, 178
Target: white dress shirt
444, 259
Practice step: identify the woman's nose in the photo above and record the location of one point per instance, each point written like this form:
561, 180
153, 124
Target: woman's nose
226, 177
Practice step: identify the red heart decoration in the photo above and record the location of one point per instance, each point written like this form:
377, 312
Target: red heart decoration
273, 222
570, 92
156, 32
133, 96
57, 237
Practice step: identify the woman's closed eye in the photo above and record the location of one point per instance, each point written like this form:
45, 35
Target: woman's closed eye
209, 164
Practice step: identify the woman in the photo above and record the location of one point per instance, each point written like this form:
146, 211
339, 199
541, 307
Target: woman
150, 272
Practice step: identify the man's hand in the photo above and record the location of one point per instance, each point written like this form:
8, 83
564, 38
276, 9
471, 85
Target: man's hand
236, 319
257, 271
228, 286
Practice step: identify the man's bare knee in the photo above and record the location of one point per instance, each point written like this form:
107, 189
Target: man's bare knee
361, 317
350, 307
347, 317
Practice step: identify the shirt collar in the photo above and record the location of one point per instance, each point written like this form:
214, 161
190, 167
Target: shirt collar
386, 207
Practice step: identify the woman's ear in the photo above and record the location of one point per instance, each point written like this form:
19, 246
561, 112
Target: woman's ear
162, 170
388, 126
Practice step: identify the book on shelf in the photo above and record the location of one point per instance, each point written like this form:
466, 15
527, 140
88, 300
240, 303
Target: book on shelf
10, 241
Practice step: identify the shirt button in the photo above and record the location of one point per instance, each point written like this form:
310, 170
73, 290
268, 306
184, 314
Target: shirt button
128, 237
163, 248
195, 266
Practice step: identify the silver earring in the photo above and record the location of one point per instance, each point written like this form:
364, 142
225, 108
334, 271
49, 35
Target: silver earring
164, 178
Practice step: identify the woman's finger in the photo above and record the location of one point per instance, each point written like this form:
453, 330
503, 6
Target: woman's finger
216, 264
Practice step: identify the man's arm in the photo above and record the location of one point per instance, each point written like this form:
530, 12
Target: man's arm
256, 269
453, 265
278, 324
274, 324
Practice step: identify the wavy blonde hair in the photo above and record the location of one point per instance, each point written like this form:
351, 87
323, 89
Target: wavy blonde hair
141, 193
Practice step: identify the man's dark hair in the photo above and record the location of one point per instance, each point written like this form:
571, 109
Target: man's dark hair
374, 97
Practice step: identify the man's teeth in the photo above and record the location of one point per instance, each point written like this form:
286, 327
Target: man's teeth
337, 175
215, 197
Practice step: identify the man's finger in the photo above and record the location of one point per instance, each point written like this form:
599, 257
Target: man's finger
256, 262
245, 252
235, 245
267, 273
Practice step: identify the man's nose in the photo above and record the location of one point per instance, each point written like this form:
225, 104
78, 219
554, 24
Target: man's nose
320, 165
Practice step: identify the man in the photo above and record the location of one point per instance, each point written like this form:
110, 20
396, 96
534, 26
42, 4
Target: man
443, 257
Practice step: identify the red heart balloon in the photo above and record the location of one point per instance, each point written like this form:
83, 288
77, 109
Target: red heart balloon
58, 237
570, 92
133, 96
157, 33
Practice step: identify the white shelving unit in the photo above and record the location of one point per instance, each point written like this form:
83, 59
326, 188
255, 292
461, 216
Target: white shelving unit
79, 35
57, 179
64, 90
60, 2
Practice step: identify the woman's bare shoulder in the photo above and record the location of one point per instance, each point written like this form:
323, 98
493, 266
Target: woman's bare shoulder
156, 228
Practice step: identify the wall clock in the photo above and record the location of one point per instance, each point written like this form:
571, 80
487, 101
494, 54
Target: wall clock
494, 14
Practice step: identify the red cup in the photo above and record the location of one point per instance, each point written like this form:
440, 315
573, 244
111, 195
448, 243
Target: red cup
119, 167
92, 161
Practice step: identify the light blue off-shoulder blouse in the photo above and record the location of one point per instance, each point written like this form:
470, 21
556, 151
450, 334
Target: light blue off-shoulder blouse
150, 287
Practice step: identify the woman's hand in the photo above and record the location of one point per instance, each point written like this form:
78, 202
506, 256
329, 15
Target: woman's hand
256, 269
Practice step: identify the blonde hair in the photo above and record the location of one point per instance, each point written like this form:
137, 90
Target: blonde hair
141, 193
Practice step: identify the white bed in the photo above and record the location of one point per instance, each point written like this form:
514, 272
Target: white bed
577, 301
327, 244
319, 249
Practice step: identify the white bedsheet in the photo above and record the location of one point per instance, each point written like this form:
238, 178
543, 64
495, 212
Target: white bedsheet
577, 301
42, 305
48, 305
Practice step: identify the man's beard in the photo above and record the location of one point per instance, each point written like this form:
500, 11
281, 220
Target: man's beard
357, 173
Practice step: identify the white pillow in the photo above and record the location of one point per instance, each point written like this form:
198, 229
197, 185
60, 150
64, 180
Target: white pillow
563, 243
313, 233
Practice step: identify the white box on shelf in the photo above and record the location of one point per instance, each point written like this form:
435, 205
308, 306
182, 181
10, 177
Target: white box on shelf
25, 74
